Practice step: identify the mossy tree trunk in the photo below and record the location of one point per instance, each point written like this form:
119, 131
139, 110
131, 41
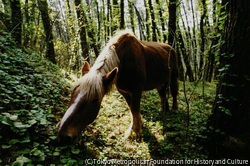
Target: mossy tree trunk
16, 20
230, 117
50, 52
83, 35
154, 28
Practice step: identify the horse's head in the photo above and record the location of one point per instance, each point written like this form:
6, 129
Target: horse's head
84, 104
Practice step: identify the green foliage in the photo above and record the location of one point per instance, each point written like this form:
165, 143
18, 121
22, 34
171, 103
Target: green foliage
30, 89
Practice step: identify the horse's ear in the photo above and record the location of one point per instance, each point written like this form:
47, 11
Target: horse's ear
85, 68
108, 78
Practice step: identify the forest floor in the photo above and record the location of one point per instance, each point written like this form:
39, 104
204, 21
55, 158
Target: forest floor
104, 138
34, 96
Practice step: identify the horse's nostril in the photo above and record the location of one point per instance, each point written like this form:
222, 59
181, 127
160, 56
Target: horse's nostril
68, 139
65, 140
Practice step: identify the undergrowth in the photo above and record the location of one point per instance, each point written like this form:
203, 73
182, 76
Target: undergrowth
33, 98
31, 89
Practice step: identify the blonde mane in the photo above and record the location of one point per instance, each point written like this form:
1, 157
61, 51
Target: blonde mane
91, 83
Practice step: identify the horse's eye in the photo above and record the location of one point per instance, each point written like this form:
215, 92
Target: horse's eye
73, 91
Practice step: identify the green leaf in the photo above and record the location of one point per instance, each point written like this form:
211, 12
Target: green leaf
43, 121
26, 140
64, 161
217, 130
71, 162
21, 125
36, 144
26, 151
37, 152
58, 149
24, 159
53, 137
75, 151
7, 122
13, 117
56, 154
6, 114
33, 121
13, 141
17, 163
222, 69
6, 146
20, 161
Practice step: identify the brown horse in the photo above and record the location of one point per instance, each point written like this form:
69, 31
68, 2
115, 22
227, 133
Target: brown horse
133, 66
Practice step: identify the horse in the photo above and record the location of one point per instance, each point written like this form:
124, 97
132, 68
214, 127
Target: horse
133, 66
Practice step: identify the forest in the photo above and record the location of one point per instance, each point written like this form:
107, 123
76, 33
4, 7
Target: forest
44, 44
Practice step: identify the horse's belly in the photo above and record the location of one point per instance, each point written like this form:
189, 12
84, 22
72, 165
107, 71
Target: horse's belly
155, 79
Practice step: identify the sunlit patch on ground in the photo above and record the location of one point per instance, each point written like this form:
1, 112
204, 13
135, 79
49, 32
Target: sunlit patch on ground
105, 137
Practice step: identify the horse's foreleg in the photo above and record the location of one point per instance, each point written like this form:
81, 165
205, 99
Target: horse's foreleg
133, 100
136, 124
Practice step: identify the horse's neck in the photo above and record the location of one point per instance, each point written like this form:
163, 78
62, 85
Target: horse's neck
106, 61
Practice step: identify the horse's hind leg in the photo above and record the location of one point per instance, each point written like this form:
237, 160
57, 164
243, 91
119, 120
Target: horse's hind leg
164, 102
133, 100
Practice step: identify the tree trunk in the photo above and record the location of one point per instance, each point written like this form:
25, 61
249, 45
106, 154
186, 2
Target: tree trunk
116, 16
151, 11
231, 111
6, 16
50, 53
203, 9
122, 22
189, 46
194, 40
147, 21
172, 21
140, 24
108, 18
35, 23
26, 31
91, 31
185, 57
99, 22
180, 64
211, 60
162, 20
131, 14
83, 35
16, 20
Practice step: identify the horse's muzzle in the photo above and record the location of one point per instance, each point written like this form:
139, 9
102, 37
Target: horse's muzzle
64, 140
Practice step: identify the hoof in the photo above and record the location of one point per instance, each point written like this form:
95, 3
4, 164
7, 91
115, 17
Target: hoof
127, 134
131, 134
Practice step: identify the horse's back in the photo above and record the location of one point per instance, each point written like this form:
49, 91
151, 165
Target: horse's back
156, 64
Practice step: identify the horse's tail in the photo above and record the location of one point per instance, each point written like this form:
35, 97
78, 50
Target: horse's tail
174, 73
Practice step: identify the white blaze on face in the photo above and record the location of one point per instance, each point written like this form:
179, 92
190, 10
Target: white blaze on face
71, 108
